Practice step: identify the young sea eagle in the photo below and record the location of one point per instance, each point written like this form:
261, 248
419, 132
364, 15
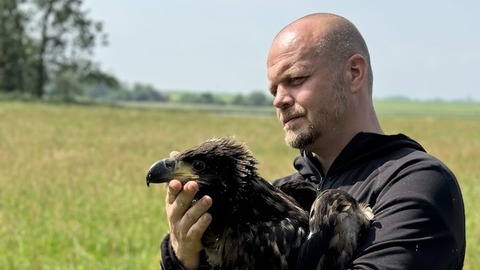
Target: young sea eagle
254, 224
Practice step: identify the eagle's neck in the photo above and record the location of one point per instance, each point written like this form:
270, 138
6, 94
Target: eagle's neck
258, 200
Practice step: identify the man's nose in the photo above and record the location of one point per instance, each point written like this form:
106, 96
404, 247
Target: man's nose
282, 98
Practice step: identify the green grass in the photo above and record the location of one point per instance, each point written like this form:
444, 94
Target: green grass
428, 108
72, 185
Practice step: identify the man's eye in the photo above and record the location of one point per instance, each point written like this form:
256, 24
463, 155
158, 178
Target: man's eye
198, 166
297, 81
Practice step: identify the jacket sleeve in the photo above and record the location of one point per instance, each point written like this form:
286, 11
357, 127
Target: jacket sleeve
419, 222
170, 262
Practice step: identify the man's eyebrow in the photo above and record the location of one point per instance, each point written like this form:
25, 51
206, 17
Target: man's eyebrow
290, 72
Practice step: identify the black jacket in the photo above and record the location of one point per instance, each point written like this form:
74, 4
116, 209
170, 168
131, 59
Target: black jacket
419, 214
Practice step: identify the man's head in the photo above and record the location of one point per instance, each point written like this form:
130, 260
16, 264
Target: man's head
319, 72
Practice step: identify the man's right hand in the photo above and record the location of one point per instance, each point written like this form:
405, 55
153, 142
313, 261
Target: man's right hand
187, 222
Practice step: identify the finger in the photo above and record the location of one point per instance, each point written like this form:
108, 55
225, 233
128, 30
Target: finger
196, 220
174, 188
182, 201
184, 198
198, 229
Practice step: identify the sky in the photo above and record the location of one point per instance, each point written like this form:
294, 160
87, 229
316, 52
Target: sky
421, 50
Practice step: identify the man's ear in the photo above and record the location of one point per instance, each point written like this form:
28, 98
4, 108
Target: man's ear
358, 72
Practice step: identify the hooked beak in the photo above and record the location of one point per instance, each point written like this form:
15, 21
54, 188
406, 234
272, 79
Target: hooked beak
161, 171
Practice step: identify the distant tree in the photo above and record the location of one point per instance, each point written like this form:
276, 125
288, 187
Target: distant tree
42, 39
257, 98
187, 98
146, 92
123, 93
98, 91
75, 79
66, 87
89, 72
206, 98
202, 98
15, 47
238, 100
65, 37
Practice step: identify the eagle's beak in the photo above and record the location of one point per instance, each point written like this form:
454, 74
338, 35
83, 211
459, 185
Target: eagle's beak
161, 171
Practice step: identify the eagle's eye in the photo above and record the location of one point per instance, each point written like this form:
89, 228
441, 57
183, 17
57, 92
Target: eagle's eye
198, 166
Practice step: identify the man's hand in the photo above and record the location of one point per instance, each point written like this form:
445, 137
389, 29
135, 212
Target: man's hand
187, 222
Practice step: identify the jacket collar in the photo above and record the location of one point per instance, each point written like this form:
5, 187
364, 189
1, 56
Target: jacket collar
362, 148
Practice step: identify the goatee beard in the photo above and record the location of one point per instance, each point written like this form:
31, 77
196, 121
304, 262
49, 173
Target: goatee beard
301, 140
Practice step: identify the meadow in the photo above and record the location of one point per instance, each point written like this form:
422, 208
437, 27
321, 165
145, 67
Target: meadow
72, 178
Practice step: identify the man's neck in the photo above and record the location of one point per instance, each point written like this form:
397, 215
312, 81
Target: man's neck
327, 148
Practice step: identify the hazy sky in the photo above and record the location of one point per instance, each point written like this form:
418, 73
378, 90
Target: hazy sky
420, 49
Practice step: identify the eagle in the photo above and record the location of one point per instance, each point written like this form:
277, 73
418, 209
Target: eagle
256, 225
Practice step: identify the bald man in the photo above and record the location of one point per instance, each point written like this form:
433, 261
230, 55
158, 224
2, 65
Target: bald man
321, 78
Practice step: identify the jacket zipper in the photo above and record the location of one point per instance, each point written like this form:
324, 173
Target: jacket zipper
316, 172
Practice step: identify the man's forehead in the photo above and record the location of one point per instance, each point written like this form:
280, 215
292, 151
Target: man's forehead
290, 55
287, 39
287, 45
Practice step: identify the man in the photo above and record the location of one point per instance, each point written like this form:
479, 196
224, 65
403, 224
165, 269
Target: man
320, 75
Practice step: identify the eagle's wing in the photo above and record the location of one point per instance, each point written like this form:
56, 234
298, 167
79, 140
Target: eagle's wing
336, 221
303, 192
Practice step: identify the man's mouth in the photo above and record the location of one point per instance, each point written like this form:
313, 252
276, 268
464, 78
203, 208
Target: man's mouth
290, 119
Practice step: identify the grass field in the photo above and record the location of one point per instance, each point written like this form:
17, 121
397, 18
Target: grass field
73, 194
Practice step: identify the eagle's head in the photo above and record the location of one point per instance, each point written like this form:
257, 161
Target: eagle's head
223, 168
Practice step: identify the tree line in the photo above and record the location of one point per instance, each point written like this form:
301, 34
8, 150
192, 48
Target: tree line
147, 93
46, 52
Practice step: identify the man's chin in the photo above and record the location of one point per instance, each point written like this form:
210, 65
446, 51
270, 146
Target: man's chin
297, 141
301, 139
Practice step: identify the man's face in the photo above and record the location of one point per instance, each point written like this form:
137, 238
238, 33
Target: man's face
310, 95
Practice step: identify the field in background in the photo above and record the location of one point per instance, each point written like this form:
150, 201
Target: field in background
73, 194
